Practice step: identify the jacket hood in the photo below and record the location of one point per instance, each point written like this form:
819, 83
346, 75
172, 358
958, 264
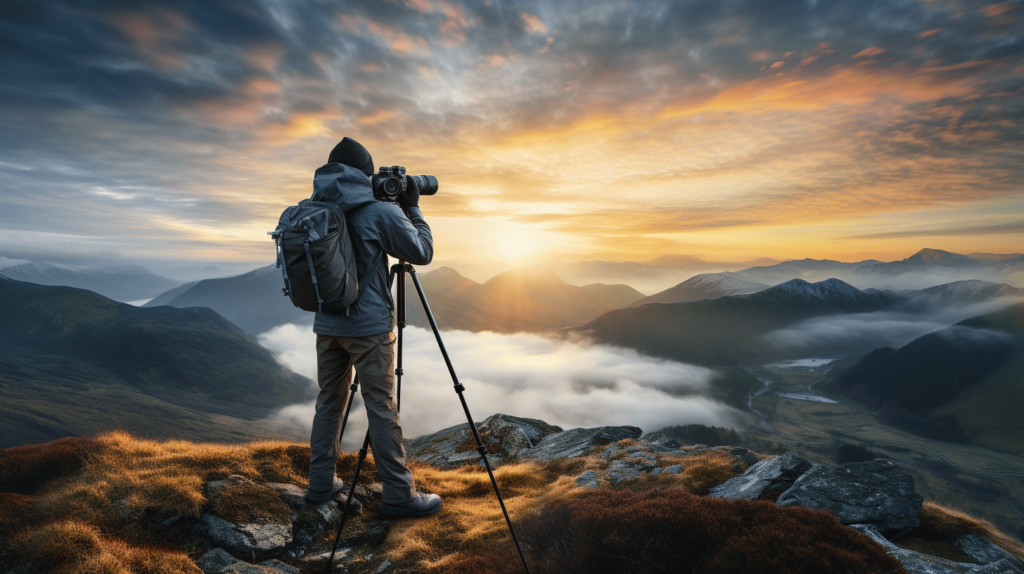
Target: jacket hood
343, 185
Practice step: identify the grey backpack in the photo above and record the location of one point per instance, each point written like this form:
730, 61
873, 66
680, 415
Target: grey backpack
314, 252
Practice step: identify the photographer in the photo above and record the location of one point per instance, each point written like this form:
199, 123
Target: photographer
362, 337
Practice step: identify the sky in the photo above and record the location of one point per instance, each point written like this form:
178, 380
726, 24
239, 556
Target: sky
176, 131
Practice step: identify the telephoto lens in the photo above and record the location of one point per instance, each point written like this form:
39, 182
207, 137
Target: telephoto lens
426, 183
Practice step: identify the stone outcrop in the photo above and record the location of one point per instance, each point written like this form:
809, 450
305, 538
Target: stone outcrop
505, 436
984, 552
217, 561
765, 480
877, 493
577, 442
920, 563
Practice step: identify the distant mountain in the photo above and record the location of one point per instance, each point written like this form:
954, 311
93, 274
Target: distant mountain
973, 370
956, 293
653, 275
74, 362
527, 299
703, 286
994, 256
121, 282
923, 260
729, 330
809, 269
168, 296
254, 301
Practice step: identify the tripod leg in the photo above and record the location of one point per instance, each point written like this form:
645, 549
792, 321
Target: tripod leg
348, 407
348, 500
472, 426
402, 266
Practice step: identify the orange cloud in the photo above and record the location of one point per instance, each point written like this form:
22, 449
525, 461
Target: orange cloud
993, 10
869, 52
377, 117
396, 39
931, 32
532, 24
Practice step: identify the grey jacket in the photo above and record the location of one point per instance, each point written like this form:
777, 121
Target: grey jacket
377, 229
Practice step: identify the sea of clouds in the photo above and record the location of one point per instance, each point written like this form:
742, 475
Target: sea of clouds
569, 383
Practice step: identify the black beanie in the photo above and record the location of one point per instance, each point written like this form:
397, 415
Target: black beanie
352, 153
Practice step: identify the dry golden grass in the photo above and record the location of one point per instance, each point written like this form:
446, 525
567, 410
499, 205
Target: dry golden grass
941, 526
74, 547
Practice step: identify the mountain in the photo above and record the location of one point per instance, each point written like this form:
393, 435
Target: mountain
973, 370
526, 299
922, 261
651, 276
809, 269
729, 330
74, 362
703, 286
168, 296
121, 282
956, 293
254, 301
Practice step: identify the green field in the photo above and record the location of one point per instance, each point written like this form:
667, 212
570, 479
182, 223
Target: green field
816, 429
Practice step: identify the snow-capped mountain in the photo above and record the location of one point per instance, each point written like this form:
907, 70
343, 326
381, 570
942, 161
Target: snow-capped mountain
704, 286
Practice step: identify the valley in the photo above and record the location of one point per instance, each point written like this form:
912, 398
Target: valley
980, 481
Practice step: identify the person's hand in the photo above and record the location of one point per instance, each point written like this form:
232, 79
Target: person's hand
411, 197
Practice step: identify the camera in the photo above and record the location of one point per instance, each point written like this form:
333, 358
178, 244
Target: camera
390, 182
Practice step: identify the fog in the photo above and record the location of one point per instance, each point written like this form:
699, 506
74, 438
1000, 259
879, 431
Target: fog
866, 331
563, 382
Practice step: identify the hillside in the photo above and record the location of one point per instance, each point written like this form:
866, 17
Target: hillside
703, 286
121, 283
162, 371
729, 330
79, 505
971, 370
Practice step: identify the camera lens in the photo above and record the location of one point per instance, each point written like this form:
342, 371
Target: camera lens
426, 183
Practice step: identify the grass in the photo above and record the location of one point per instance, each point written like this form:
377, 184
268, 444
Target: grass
107, 510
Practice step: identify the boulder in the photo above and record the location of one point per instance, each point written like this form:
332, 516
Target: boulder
577, 442
765, 480
984, 552
919, 563
259, 540
588, 479
505, 436
217, 561
877, 493
659, 442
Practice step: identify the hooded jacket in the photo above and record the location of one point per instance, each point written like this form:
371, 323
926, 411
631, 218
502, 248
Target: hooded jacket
377, 229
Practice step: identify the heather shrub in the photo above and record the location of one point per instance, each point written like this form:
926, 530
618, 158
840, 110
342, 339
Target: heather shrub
24, 469
625, 532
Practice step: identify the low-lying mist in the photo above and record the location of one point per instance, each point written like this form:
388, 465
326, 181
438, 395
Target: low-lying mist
563, 382
866, 331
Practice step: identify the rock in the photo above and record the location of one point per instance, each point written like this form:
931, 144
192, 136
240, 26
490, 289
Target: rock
292, 495
878, 493
765, 480
256, 540
383, 566
744, 459
620, 470
311, 521
505, 436
577, 442
658, 442
217, 561
373, 533
588, 479
919, 563
985, 552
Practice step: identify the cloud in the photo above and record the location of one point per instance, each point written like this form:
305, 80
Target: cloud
866, 331
566, 383
1015, 227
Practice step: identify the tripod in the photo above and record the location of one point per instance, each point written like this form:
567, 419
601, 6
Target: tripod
399, 271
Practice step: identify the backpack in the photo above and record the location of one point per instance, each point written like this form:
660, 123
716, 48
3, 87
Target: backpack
315, 254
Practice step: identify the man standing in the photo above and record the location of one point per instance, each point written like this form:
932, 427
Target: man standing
362, 336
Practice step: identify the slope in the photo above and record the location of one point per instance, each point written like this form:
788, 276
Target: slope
729, 330
61, 346
121, 283
703, 286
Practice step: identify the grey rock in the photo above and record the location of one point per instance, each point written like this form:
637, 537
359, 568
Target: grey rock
658, 442
577, 442
504, 436
258, 540
877, 493
218, 561
290, 494
310, 521
764, 480
744, 459
383, 566
919, 563
588, 479
620, 470
674, 469
980, 549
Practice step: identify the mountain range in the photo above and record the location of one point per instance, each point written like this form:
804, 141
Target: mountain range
972, 371
703, 286
75, 362
122, 283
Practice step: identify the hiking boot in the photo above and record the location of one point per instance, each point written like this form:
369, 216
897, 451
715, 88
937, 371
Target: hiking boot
421, 505
320, 497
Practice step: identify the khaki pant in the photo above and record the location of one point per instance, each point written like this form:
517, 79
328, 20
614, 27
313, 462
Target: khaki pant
373, 358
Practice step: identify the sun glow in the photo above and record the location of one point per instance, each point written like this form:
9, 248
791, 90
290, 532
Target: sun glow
517, 244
